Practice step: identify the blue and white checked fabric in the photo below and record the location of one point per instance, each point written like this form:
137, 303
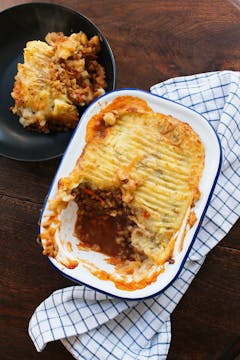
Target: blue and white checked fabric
92, 325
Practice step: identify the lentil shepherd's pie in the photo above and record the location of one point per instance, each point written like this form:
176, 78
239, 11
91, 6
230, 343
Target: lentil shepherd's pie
56, 78
135, 184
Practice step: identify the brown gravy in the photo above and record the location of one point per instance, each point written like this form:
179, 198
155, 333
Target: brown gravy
100, 231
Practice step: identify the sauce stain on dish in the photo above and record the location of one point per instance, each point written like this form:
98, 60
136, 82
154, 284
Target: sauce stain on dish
124, 284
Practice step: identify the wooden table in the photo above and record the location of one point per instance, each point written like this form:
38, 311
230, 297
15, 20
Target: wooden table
152, 41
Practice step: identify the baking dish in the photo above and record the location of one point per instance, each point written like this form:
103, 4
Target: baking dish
211, 170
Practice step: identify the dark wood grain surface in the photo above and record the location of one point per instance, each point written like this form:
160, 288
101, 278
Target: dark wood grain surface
152, 41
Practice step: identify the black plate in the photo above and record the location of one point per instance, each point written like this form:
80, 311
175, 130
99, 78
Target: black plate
18, 25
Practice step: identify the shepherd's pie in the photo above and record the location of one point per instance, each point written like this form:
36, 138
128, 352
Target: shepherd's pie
135, 182
58, 76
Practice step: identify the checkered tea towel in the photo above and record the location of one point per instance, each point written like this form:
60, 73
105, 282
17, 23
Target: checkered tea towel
94, 326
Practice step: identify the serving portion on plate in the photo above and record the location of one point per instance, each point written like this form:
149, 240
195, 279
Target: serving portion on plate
54, 62
58, 75
126, 202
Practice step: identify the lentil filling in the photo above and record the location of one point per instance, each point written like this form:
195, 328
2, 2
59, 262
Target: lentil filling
103, 223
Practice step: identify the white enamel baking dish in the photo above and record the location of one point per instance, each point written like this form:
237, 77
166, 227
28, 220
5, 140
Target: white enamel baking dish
210, 174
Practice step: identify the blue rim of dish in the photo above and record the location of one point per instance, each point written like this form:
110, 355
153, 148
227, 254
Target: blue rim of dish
200, 220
